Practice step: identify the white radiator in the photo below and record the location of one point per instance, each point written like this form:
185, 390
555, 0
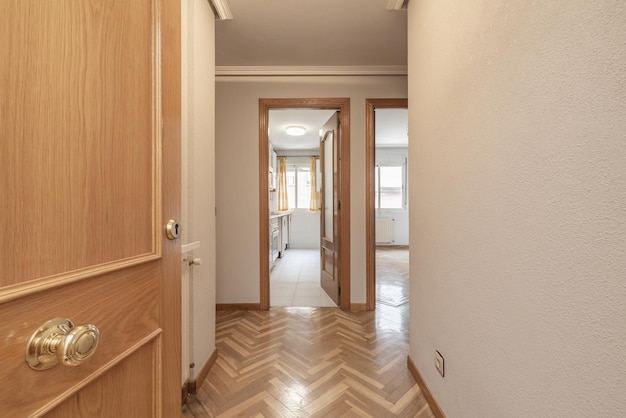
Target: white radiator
384, 230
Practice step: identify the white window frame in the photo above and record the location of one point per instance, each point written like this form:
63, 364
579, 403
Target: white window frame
294, 167
392, 161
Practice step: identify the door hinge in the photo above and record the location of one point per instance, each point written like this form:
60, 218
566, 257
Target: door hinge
339, 205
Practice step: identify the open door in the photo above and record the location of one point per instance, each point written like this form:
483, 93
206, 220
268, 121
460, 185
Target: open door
90, 175
329, 169
339, 249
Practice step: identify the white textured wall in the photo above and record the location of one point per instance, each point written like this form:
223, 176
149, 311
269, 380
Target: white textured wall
237, 139
518, 205
199, 171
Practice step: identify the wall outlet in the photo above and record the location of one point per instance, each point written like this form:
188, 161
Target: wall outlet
439, 363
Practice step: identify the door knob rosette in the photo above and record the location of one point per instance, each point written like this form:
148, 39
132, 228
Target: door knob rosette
59, 341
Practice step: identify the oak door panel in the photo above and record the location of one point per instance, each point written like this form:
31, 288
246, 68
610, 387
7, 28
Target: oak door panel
78, 109
330, 221
135, 393
90, 166
122, 305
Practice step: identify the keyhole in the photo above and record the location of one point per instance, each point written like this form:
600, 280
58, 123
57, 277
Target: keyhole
172, 229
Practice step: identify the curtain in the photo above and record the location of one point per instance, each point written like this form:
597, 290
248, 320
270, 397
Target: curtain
283, 197
315, 193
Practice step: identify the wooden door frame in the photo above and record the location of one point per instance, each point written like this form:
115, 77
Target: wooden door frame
343, 105
370, 212
171, 274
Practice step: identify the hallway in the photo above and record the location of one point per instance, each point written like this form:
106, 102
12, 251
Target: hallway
316, 361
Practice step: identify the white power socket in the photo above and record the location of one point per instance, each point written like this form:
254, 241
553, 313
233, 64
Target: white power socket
439, 363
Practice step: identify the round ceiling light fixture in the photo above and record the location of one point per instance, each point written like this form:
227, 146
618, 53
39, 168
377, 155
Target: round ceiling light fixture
295, 130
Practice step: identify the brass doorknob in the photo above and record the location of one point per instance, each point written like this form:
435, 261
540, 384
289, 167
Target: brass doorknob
59, 341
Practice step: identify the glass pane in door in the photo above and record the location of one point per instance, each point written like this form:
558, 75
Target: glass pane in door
328, 186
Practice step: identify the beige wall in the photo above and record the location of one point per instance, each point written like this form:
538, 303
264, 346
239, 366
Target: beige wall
237, 138
198, 133
518, 205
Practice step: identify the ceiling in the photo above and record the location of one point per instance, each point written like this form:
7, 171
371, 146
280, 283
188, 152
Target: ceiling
315, 37
279, 33
311, 119
391, 128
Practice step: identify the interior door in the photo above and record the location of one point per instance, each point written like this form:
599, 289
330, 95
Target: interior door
90, 174
329, 231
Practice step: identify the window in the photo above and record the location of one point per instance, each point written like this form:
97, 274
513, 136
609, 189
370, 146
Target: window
299, 186
390, 183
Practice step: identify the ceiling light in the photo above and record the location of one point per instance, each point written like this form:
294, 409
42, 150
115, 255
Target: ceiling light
295, 130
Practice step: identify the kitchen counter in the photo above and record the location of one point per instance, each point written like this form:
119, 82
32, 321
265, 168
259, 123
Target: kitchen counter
279, 214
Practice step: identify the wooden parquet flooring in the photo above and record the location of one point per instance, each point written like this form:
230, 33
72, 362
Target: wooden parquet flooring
392, 275
309, 362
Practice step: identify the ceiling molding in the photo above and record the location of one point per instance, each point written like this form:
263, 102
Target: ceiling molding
395, 4
312, 70
222, 9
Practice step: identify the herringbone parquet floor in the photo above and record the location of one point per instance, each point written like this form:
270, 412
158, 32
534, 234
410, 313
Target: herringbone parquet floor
310, 362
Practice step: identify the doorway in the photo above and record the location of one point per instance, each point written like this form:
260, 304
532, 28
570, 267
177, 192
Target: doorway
342, 267
295, 203
373, 192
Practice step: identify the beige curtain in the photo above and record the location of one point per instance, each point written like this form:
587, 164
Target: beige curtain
283, 197
315, 194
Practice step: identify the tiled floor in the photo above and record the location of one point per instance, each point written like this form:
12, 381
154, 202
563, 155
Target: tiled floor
295, 280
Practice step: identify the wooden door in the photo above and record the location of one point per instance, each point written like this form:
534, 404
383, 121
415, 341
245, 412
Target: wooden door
329, 231
90, 173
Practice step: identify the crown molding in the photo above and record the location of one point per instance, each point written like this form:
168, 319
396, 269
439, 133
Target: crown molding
222, 9
395, 4
310, 70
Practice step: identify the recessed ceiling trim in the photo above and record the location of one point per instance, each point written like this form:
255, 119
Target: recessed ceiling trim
325, 70
222, 9
395, 4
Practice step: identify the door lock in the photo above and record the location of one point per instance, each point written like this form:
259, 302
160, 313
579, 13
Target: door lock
172, 229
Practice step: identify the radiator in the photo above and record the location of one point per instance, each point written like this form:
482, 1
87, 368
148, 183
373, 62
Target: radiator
384, 230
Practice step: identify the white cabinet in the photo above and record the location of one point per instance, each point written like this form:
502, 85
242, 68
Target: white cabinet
279, 235
274, 239
285, 222
273, 167
272, 158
